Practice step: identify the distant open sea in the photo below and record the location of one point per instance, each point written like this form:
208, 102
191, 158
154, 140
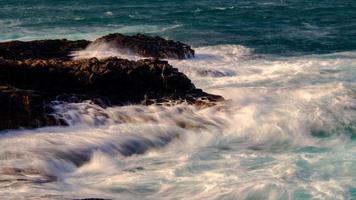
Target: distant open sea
288, 131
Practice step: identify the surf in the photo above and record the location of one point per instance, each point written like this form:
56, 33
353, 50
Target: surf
286, 129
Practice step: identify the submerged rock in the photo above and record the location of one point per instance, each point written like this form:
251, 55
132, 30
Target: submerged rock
210, 73
114, 80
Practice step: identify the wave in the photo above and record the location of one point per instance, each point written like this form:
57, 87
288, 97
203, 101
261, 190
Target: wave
286, 131
215, 8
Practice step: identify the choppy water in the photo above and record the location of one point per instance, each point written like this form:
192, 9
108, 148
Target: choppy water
268, 26
288, 131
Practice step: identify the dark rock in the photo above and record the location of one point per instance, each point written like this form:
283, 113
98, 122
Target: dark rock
147, 46
23, 108
119, 80
109, 81
41, 49
62, 49
34, 73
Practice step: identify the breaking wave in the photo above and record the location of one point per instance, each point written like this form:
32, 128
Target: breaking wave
286, 131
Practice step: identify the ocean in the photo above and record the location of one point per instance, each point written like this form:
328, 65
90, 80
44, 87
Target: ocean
287, 130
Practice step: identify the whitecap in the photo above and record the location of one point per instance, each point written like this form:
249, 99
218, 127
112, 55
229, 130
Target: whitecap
109, 13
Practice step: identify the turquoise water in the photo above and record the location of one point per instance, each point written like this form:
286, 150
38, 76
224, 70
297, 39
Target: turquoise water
268, 26
288, 131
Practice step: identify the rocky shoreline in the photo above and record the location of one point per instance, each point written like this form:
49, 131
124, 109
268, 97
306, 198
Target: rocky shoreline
32, 74
142, 45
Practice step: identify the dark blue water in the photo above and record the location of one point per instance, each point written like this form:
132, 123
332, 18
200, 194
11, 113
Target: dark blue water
286, 27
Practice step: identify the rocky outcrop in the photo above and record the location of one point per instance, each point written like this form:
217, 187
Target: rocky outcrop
143, 45
34, 73
41, 49
119, 80
109, 81
154, 47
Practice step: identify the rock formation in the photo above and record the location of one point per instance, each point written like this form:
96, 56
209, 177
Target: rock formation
41, 49
34, 73
155, 47
108, 81
143, 45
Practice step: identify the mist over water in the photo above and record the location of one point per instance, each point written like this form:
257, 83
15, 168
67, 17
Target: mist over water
286, 131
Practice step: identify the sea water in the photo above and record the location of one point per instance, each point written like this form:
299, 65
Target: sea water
287, 130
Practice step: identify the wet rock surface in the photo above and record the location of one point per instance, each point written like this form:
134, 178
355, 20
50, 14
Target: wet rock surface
119, 80
143, 45
147, 46
33, 74
23, 108
41, 49
110, 81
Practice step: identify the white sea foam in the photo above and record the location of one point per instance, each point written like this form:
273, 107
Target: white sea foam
109, 13
103, 50
287, 132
